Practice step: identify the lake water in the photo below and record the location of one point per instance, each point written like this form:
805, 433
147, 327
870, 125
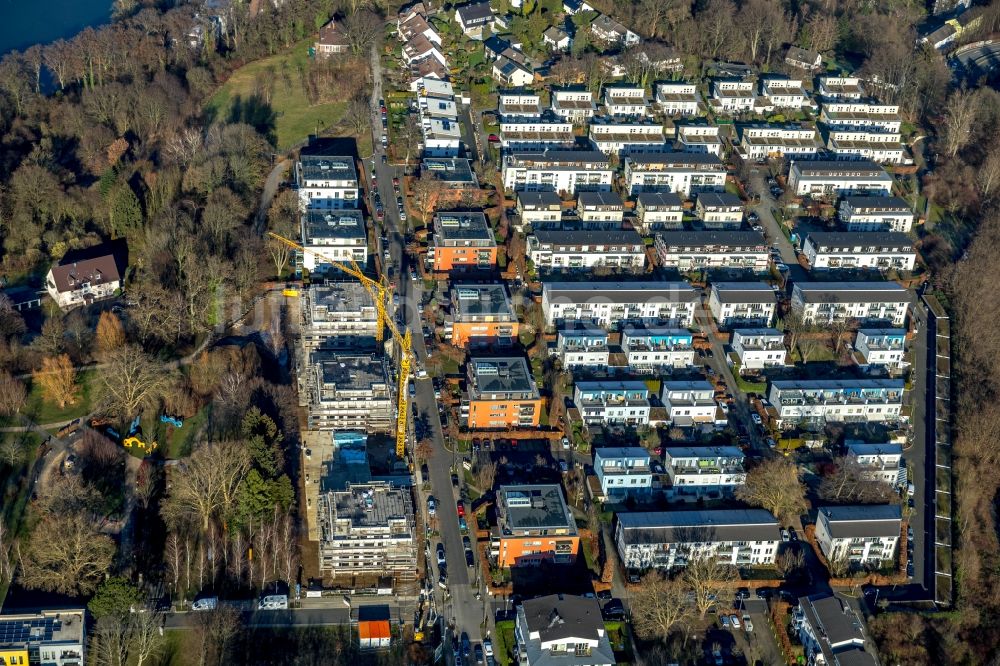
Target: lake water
27, 22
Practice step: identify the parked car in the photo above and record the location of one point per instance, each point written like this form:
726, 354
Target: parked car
785, 536
725, 621
470, 559
488, 647
747, 622
735, 621
755, 417
431, 506
205, 604
613, 610
440, 553
604, 595
477, 653
454, 480
273, 602
460, 507
743, 593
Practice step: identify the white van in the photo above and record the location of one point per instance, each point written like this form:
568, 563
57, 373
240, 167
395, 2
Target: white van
273, 602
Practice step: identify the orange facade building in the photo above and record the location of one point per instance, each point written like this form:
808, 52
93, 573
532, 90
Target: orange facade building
481, 316
534, 525
462, 241
501, 394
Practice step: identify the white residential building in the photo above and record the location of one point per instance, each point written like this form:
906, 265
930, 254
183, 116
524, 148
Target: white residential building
784, 93
608, 30
881, 147
623, 471
833, 179
683, 173
442, 137
705, 470
881, 347
538, 209
420, 47
49, 637
557, 39
733, 95
882, 462
759, 348
657, 347
795, 141
821, 401
864, 535
326, 181
832, 633
582, 345
667, 540
548, 629
576, 106
879, 250
337, 235
697, 250
451, 172
820, 303
688, 402
600, 210
535, 134
338, 315
625, 101
560, 249
875, 214
627, 138
510, 72
517, 105
841, 88
677, 98
83, 280
346, 392
659, 211
561, 171
719, 210
698, 138
742, 304
611, 303
869, 116
473, 18
612, 402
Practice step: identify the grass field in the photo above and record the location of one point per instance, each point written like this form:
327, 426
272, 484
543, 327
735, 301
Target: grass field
42, 412
294, 117
16, 488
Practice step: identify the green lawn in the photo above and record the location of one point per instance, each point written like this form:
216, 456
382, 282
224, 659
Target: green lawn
295, 117
618, 633
504, 648
42, 412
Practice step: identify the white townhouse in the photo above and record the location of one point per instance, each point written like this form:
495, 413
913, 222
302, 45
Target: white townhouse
784, 93
821, 303
573, 249
759, 348
824, 178
841, 88
608, 30
742, 304
793, 140
732, 95
683, 173
411, 23
612, 402
696, 250
611, 303
432, 105
658, 211
881, 462
582, 345
881, 347
536, 134
600, 210
573, 104
625, 101
881, 147
326, 181
442, 137
831, 632
623, 471
515, 105
821, 401
869, 116
689, 402
419, 48
339, 235
548, 629
701, 471
561, 171
451, 172
719, 210
677, 98
666, 540
698, 138
572, 7
864, 535
538, 209
657, 347
875, 214
878, 250
627, 138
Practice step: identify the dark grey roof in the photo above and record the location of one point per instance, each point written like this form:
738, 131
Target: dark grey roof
880, 520
879, 203
660, 200
680, 159
630, 292
712, 238
599, 199
501, 375
857, 241
477, 12
744, 292
588, 237
327, 167
855, 657
687, 526
810, 167
449, 170
834, 619
560, 616
544, 199
564, 156
723, 199
529, 507
347, 223
852, 292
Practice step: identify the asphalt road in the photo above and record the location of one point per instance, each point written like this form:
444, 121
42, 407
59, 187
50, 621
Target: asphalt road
772, 229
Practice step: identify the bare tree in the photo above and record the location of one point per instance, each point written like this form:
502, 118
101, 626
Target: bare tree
486, 474
131, 380
823, 32
988, 174
426, 190
362, 29
662, 605
57, 378
215, 629
12, 449
850, 482
789, 562
110, 333
808, 347
708, 579
959, 116
67, 554
774, 485
13, 394
146, 637
206, 484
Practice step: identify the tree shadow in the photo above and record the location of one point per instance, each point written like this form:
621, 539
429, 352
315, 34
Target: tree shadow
257, 113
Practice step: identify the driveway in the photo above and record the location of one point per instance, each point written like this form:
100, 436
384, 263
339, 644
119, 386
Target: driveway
772, 228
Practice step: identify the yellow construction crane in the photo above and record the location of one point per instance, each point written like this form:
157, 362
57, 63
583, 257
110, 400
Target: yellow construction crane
379, 290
